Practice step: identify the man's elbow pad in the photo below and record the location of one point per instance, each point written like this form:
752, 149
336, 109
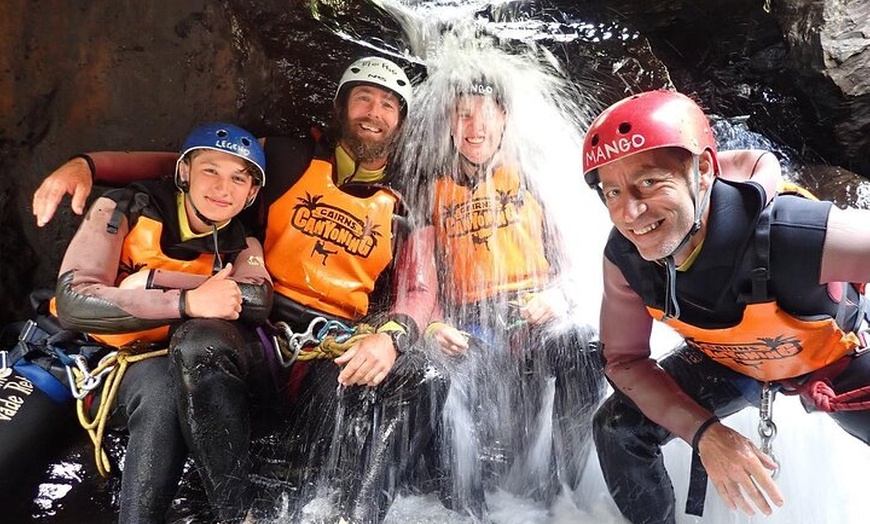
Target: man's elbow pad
256, 302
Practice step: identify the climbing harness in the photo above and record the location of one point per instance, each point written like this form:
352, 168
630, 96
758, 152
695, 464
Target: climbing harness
110, 371
816, 390
322, 339
42, 342
766, 426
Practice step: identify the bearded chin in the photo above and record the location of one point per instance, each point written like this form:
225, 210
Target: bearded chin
364, 151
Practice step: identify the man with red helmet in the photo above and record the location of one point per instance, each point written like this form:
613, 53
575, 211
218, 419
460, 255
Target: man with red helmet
758, 290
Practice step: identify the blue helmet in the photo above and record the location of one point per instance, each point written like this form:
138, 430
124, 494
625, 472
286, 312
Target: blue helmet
230, 139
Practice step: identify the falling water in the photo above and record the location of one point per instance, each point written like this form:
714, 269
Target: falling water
821, 464
502, 431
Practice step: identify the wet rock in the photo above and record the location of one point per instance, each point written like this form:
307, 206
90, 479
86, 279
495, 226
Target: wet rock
829, 52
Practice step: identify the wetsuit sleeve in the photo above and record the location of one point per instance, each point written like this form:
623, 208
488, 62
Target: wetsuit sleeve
119, 168
846, 252
626, 327
87, 298
752, 165
416, 283
249, 272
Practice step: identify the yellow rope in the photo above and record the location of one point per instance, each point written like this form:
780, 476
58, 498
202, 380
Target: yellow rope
96, 427
329, 347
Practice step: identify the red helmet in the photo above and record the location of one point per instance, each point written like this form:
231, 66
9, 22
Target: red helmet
642, 122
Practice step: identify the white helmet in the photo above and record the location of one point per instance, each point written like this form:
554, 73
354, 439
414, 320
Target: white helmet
379, 72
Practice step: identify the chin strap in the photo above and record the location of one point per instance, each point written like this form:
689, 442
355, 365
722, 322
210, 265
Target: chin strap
672, 307
218, 264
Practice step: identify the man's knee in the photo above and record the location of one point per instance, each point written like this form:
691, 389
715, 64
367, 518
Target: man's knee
205, 343
613, 417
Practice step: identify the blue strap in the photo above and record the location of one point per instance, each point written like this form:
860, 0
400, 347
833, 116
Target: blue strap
45, 381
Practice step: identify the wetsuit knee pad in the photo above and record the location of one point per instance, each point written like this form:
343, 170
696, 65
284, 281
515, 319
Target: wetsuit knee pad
611, 416
208, 342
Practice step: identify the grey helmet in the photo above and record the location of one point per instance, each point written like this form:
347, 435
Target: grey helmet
379, 72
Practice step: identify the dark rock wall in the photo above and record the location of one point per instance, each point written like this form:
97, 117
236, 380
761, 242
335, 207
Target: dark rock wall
80, 75
84, 76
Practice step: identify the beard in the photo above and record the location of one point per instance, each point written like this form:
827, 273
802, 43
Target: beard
366, 150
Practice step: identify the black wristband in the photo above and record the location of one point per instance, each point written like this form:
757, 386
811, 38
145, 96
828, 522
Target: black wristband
701, 429
182, 304
149, 282
407, 322
90, 162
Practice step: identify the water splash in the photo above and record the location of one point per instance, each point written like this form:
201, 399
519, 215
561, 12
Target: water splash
505, 421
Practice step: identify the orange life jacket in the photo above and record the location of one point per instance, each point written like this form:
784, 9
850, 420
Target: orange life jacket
338, 243
141, 250
769, 344
490, 236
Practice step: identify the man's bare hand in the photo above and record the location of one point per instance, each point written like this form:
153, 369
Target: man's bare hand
450, 340
72, 178
544, 307
739, 470
368, 362
217, 297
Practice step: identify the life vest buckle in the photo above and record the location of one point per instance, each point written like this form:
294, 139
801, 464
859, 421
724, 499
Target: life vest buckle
5, 368
29, 333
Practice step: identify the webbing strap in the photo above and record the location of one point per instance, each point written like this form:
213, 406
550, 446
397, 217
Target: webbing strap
44, 381
761, 265
697, 487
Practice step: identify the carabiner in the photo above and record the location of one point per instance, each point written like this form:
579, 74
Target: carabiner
766, 426
295, 341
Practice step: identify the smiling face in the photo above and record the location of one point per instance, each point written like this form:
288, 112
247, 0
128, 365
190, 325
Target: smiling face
370, 125
477, 125
220, 185
650, 199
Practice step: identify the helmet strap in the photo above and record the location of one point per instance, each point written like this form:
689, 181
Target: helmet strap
672, 307
217, 264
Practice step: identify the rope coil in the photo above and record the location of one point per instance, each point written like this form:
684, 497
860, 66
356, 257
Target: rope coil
322, 339
110, 371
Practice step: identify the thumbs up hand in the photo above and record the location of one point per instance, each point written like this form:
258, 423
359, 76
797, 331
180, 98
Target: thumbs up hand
217, 297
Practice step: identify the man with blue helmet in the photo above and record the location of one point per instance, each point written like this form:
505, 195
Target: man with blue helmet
330, 224
145, 259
